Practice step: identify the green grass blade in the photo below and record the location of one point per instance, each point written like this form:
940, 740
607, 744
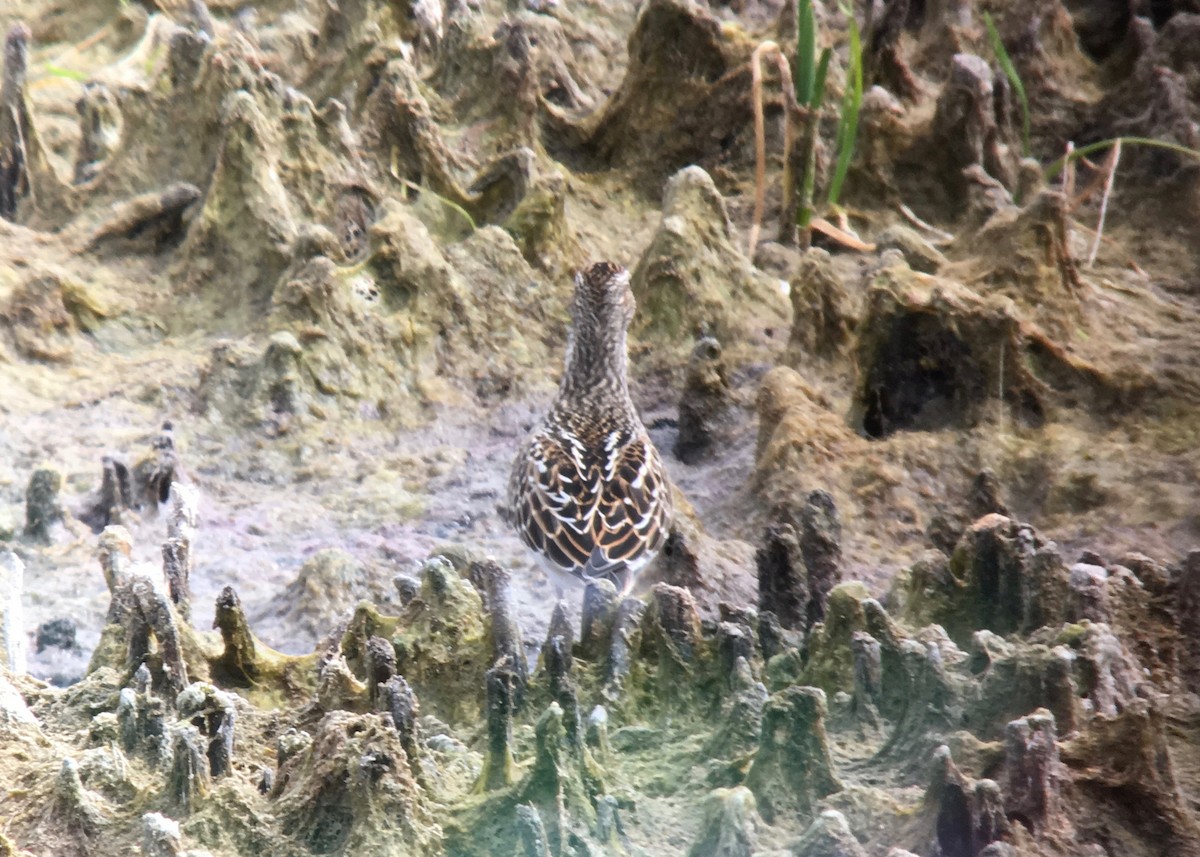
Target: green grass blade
818, 93
847, 130
808, 181
1051, 172
449, 203
806, 51
68, 73
1010, 71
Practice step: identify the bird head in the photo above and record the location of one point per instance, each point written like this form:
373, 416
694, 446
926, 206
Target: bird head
603, 296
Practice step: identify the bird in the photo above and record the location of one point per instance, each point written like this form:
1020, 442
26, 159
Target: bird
588, 492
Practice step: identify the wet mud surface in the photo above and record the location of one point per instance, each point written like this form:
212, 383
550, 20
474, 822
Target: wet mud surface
931, 585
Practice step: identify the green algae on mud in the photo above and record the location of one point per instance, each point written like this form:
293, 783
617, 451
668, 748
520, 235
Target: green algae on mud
349, 365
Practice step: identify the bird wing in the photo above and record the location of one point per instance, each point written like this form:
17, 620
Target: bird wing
592, 507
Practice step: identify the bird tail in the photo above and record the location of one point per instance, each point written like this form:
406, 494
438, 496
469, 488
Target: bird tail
617, 570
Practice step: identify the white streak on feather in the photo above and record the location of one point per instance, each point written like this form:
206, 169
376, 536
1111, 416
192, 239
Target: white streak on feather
640, 479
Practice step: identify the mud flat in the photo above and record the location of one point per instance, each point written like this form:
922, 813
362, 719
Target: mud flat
282, 287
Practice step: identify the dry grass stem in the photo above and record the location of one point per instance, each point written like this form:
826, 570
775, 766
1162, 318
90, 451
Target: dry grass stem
1113, 159
1068, 179
841, 236
941, 235
760, 144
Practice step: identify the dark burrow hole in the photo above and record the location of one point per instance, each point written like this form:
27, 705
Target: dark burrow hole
331, 827
999, 601
924, 378
354, 214
954, 823
689, 46
1103, 25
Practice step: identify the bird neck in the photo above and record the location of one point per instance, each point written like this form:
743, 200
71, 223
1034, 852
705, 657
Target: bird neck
596, 368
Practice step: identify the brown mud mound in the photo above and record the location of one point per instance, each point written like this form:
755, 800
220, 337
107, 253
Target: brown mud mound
289, 283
